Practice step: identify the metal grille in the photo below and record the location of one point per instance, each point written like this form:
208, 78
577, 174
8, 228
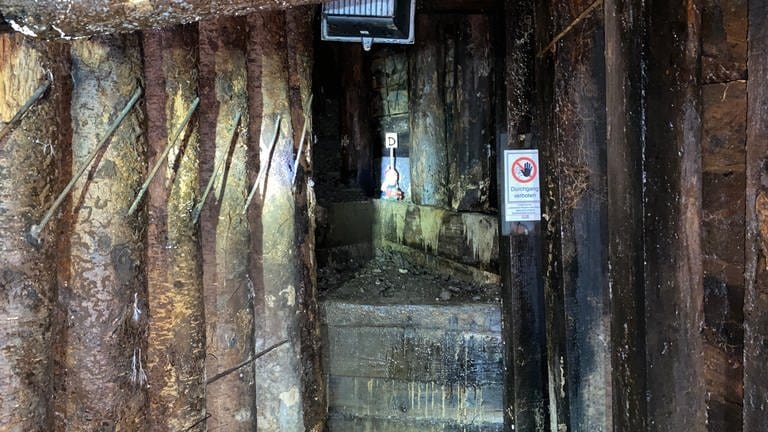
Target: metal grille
362, 8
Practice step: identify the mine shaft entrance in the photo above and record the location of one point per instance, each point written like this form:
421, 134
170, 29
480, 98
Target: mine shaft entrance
410, 288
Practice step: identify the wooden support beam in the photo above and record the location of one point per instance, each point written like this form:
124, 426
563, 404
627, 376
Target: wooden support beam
301, 42
577, 166
80, 18
724, 129
176, 351
756, 293
672, 220
277, 268
624, 63
30, 176
355, 125
469, 109
459, 6
224, 230
520, 252
105, 335
429, 157
551, 267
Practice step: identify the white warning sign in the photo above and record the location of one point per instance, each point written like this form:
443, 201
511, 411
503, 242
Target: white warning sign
522, 195
390, 140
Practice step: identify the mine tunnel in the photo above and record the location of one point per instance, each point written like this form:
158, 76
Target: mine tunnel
383, 215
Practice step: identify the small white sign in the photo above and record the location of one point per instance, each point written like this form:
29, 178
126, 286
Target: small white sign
522, 194
390, 140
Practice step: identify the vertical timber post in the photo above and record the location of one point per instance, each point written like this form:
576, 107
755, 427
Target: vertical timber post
176, 351
279, 375
523, 300
469, 132
300, 32
756, 294
625, 57
355, 125
223, 228
105, 347
30, 171
723, 81
672, 220
579, 146
429, 150
544, 126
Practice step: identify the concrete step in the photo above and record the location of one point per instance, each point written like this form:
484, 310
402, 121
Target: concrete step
338, 422
416, 366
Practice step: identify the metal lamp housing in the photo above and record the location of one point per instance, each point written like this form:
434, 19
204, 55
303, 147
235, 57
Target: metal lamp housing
368, 21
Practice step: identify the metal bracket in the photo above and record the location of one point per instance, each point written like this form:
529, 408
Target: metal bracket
367, 42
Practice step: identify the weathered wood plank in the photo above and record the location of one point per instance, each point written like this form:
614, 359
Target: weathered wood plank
580, 147
30, 174
413, 401
672, 222
458, 6
344, 423
724, 111
104, 343
467, 238
544, 134
224, 230
278, 277
756, 248
625, 58
77, 18
469, 105
723, 40
413, 353
381, 314
300, 33
429, 157
520, 254
355, 127
176, 347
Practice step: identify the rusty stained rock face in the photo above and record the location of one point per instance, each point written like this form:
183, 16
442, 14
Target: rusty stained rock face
80, 18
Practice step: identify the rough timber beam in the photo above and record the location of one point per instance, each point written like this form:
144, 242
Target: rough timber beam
78, 18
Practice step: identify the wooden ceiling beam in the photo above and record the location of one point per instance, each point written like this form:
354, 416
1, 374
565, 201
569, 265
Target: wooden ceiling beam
79, 18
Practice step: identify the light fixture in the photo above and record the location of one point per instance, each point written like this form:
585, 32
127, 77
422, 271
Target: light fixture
368, 21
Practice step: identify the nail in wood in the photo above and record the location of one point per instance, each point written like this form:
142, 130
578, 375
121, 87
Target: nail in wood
24, 108
304, 130
33, 236
199, 207
263, 169
159, 162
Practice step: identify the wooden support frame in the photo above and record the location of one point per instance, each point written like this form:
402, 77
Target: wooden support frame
756, 295
672, 220
624, 63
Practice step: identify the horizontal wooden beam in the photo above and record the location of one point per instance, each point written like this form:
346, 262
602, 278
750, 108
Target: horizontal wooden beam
458, 6
80, 18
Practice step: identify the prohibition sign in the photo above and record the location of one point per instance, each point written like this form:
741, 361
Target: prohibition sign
519, 165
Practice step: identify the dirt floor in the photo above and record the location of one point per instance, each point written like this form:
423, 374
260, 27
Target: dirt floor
390, 278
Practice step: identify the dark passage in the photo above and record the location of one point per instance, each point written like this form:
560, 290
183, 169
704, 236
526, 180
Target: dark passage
409, 289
